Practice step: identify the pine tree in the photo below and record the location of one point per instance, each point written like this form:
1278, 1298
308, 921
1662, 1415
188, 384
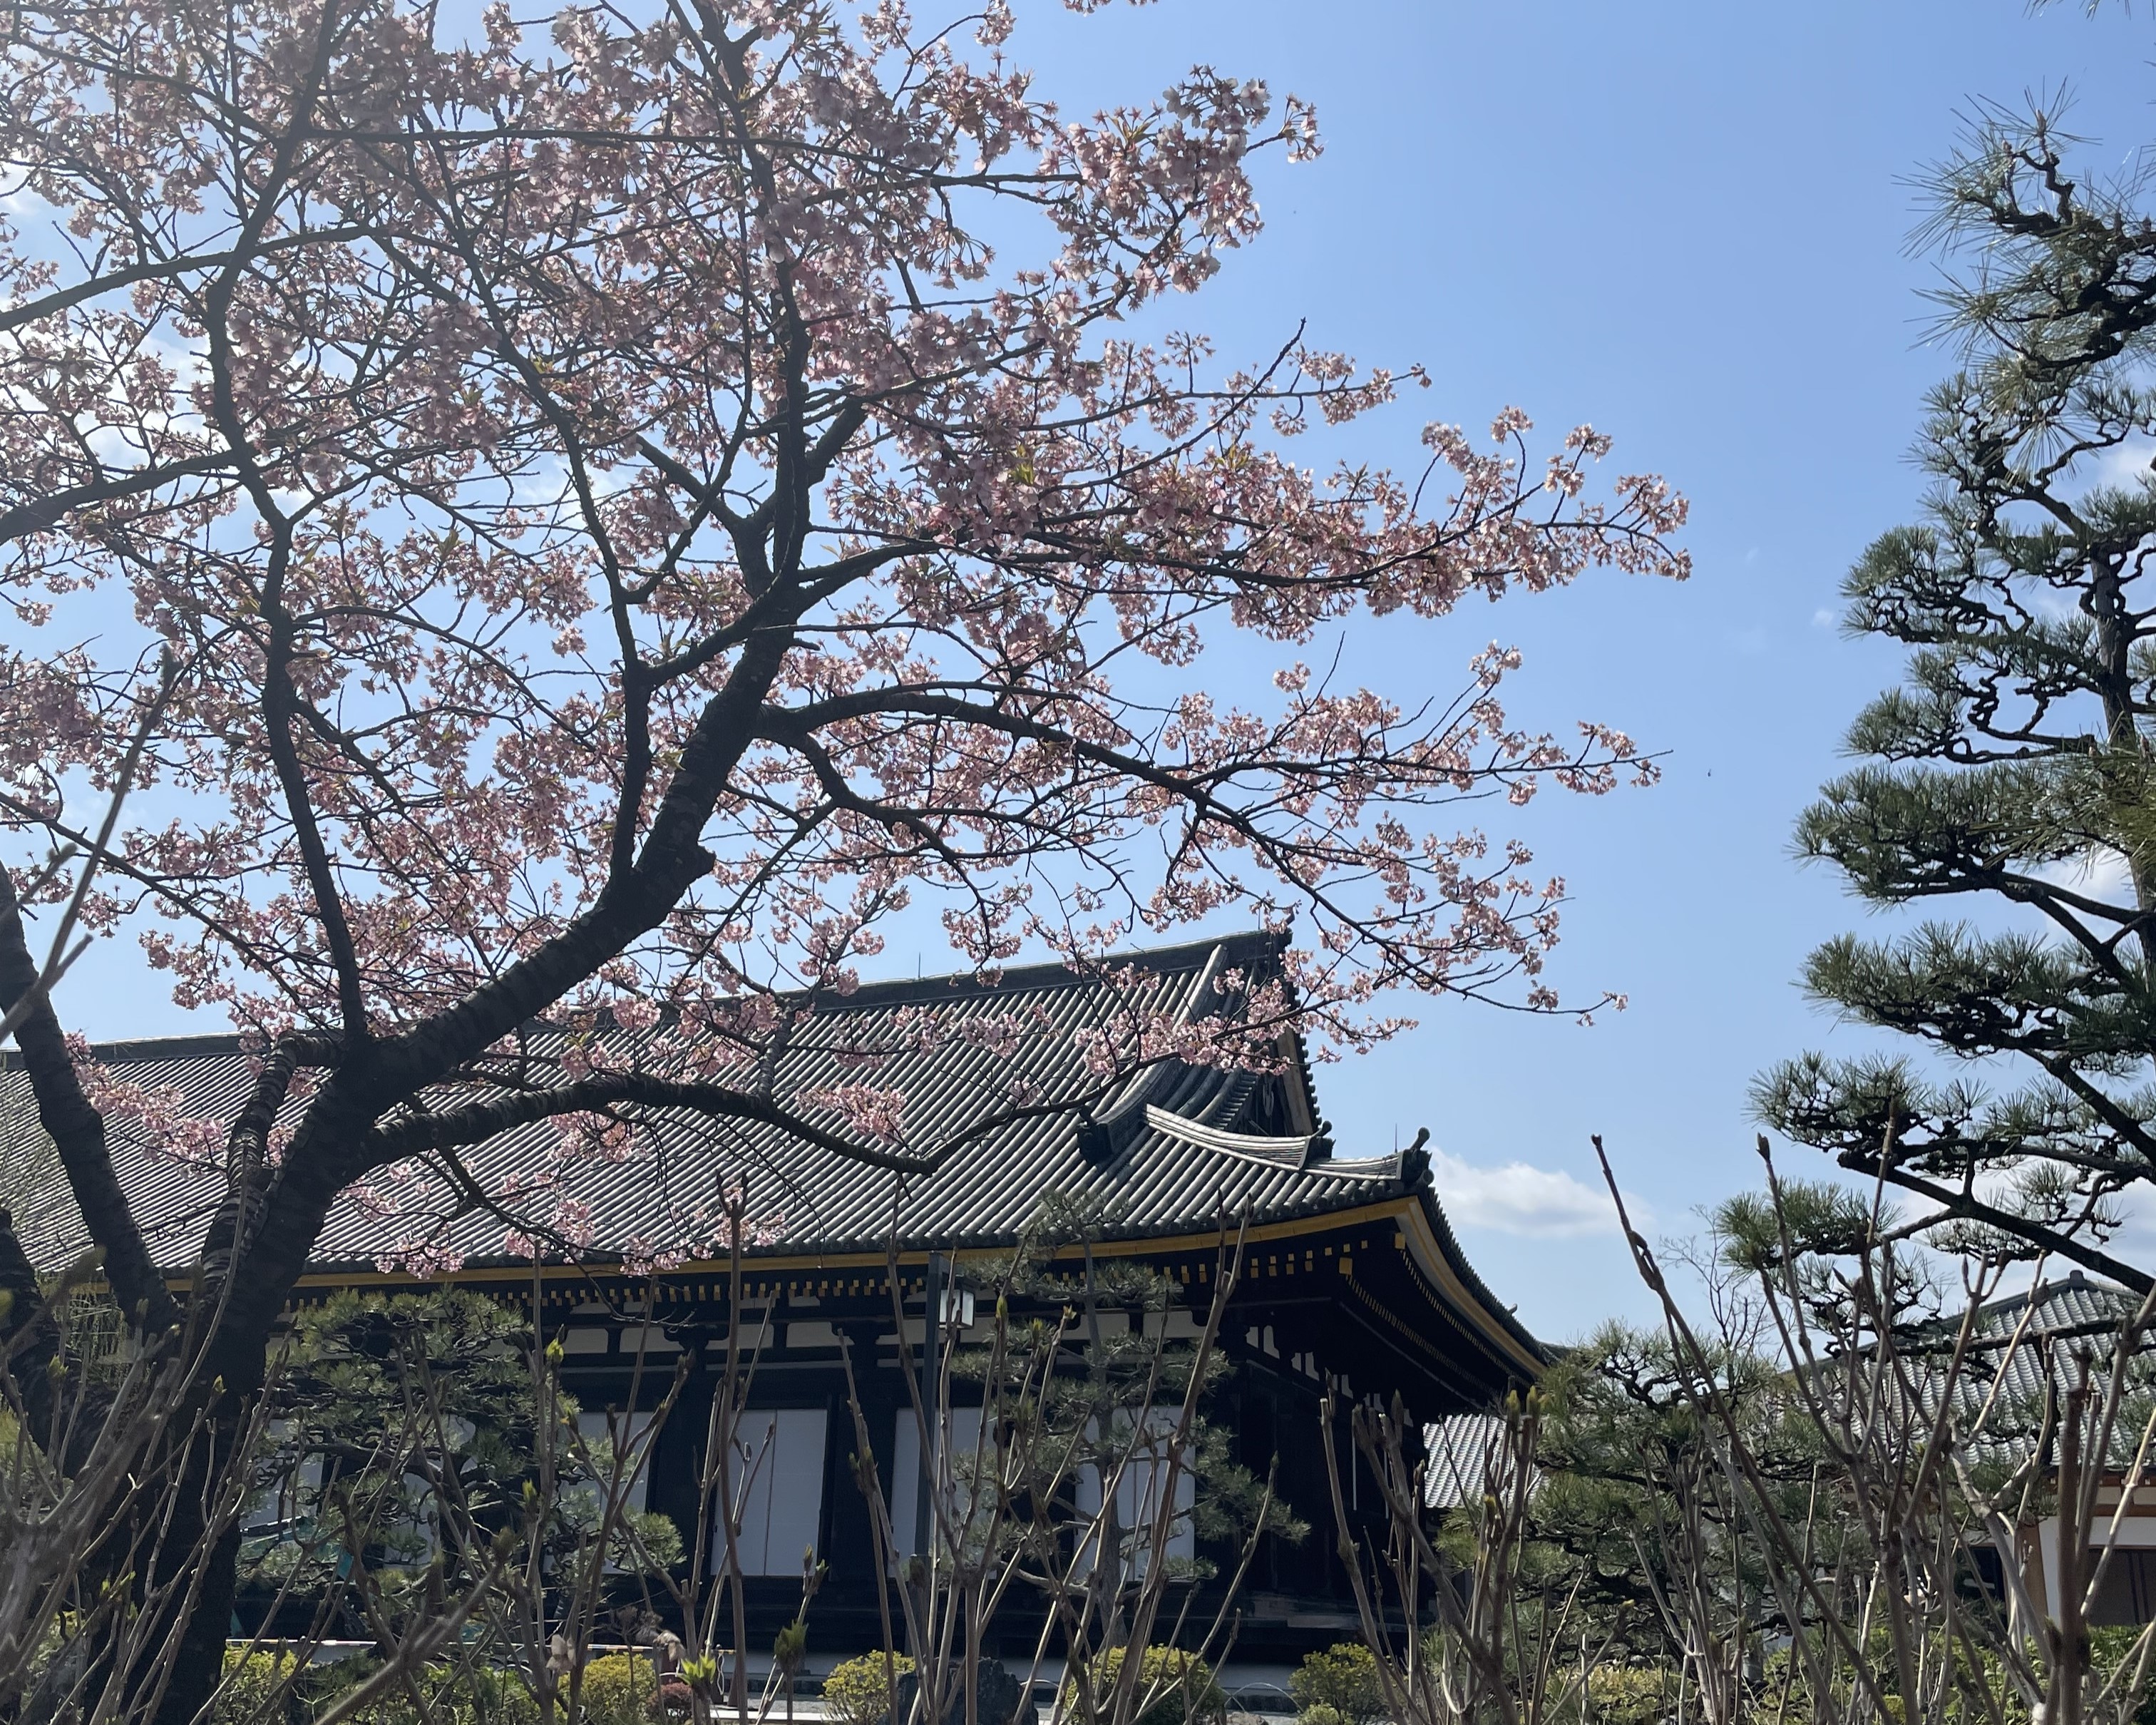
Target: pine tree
2009, 781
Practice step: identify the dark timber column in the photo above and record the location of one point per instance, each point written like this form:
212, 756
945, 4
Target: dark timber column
931, 1354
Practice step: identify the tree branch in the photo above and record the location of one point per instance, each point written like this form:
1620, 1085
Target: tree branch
75, 1127
1966, 1206
476, 1122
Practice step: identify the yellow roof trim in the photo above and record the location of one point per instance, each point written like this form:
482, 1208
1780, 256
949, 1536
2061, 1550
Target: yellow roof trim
757, 1264
1429, 1258
1403, 1212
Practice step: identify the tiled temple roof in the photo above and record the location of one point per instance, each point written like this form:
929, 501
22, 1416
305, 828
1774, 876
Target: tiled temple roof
1173, 1152
2042, 1338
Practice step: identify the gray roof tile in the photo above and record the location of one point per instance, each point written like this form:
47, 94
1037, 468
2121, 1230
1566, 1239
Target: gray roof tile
1181, 1150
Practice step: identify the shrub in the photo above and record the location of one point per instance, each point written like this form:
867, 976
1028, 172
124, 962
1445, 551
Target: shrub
620, 1689
258, 1688
1182, 1684
478, 1695
325, 1685
859, 1690
1342, 1681
469, 1694
2111, 1647
1630, 1694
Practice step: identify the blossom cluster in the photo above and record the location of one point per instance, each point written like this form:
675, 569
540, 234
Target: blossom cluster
608, 531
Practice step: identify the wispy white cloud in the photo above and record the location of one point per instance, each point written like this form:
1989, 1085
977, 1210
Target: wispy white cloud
1518, 1198
2099, 872
26, 204
2127, 465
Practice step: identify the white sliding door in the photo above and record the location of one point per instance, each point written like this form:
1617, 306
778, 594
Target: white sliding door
1140, 1453
962, 1460
777, 1483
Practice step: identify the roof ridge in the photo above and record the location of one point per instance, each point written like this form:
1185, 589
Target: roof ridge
2049, 1288
188, 1045
1273, 1148
1183, 955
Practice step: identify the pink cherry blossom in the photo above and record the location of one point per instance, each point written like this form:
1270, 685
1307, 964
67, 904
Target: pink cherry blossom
594, 528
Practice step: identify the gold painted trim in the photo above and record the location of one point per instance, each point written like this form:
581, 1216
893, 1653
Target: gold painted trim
1421, 1239
1429, 1258
756, 1264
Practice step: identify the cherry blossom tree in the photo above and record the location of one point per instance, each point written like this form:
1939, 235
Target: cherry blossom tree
591, 521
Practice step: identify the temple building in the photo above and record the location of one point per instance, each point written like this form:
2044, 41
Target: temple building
1351, 1280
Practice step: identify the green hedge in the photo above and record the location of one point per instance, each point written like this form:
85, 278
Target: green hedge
1339, 1687
859, 1692
1183, 1688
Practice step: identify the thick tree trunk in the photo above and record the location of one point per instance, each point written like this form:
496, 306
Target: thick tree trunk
259, 1245
75, 1127
192, 1649
29, 1362
193, 1581
185, 1577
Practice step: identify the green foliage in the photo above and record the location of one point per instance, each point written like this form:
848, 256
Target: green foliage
2112, 1648
1173, 1687
1634, 1500
2014, 767
1630, 1694
260, 1688
859, 1692
327, 1685
1056, 1424
273, 1686
475, 1694
1339, 1687
481, 1696
1807, 1236
1756, 1236
1968, 1686
620, 1689
409, 1425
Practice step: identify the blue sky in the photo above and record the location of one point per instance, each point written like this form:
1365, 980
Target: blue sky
1686, 223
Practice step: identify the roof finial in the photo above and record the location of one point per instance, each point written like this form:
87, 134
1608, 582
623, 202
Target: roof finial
1415, 1160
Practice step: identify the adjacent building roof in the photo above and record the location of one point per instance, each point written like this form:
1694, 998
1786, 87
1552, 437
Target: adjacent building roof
2024, 1351
1459, 1451
2037, 1341
1175, 1151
